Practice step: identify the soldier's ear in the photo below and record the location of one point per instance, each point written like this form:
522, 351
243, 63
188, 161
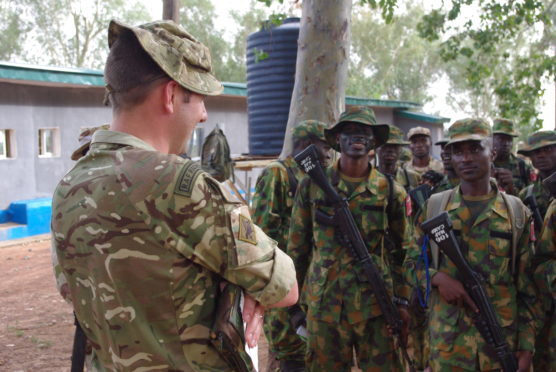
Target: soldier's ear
492, 153
169, 96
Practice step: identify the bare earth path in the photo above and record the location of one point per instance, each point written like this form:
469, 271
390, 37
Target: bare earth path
36, 325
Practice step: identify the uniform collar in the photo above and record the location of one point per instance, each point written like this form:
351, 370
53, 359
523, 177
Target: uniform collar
120, 138
496, 205
371, 184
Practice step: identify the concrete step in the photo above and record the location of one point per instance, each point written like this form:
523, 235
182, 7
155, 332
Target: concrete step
12, 230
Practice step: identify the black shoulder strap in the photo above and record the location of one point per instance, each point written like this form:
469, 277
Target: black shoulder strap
522, 172
390, 195
291, 178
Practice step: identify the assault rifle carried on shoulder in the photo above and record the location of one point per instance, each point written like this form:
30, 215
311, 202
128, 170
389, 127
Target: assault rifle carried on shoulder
531, 202
440, 230
343, 220
549, 183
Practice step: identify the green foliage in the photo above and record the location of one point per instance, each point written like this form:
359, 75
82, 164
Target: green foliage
13, 30
497, 53
387, 7
260, 55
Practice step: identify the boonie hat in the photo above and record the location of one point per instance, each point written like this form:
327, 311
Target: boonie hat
395, 136
418, 131
538, 140
358, 115
503, 126
176, 52
468, 130
85, 138
309, 127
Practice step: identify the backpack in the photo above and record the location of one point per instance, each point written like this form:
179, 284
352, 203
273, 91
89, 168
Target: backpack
517, 212
215, 156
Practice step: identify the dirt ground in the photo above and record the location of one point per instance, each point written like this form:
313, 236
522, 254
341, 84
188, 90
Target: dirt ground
36, 325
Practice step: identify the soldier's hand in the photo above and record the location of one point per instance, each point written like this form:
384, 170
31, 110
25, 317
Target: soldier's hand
524, 360
452, 291
253, 316
505, 179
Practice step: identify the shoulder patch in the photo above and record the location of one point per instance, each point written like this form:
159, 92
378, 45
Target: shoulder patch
187, 177
246, 230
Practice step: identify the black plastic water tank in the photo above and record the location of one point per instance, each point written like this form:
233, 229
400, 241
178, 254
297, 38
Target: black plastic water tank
270, 84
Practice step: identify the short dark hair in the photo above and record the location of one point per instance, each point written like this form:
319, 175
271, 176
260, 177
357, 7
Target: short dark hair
130, 73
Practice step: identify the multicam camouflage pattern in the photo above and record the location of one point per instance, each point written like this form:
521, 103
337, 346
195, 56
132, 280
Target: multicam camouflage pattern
504, 126
468, 130
178, 53
144, 240
542, 196
407, 178
395, 136
538, 140
522, 171
85, 138
335, 289
418, 131
545, 278
454, 340
435, 165
271, 210
308, 128
359, 115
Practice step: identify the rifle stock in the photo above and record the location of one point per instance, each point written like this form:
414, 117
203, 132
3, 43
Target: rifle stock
550, 184
531, 202
440, 230
343, 219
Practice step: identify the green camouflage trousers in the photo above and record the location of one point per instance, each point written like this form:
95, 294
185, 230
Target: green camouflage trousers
282, 339
330, 346
545, 346
418, 345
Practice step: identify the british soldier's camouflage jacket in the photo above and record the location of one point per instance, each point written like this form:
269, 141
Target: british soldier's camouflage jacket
487, 246
143, 240
273, 199
333, 285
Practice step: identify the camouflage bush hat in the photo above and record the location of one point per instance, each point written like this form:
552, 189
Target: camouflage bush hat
358, 115
538, 140
395, 136
416, 131
468, 130
85, 138
180, 55
307, 128
441, 142
503, 126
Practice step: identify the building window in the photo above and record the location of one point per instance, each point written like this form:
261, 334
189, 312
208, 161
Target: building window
7, 144
195, 145
49, 142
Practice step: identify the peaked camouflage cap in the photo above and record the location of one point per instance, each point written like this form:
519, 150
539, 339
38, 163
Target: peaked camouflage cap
395, 136
538, 140
418, 131
358, 115
468, 130
503, 126
85, 138
307, 128
178, 53
441, 142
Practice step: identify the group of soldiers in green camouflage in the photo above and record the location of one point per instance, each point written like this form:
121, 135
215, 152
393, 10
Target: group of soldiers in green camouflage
163, 265
342, 316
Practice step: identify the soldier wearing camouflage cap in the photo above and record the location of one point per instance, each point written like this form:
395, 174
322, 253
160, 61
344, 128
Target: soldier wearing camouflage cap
511, 172
342, 312
541, 149
388, 156
495, 246
151, 248
450, 179
420, 146
272, 208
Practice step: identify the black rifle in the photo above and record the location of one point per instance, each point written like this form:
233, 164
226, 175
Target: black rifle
79, 347
343, 219
531, 202
549, 183
439, 229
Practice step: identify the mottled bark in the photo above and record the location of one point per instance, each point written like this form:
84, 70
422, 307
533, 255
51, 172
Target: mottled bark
322, 63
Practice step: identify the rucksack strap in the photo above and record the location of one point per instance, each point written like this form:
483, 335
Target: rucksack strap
390, 196
518, 218
435, 205
291, 178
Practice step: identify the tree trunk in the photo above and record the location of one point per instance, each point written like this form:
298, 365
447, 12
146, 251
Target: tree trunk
171, 10
322, 63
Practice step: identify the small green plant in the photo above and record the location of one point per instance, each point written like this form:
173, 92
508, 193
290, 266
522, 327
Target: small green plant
41, 344
260, 55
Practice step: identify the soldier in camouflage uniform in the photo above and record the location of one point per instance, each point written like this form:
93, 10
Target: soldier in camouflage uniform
480, 217
145, 241
272, 208
541, 149
388, 156
511, 172
420, 146
545, 278
342, 312
451, 179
